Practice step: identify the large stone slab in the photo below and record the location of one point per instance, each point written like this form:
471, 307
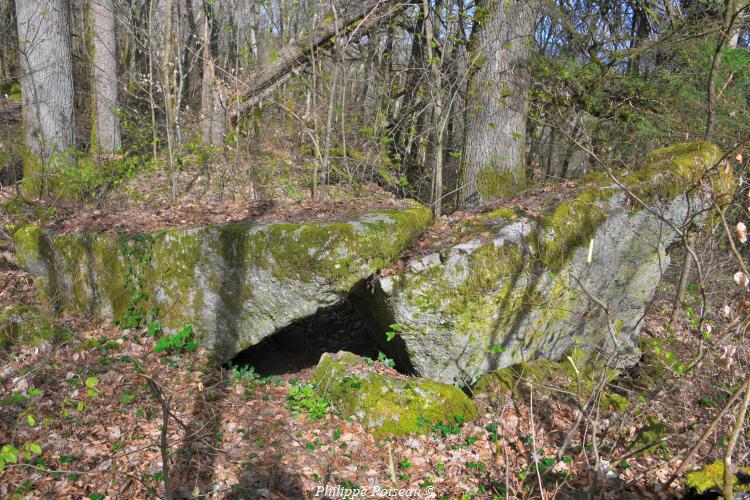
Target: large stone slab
523, 287
235, 283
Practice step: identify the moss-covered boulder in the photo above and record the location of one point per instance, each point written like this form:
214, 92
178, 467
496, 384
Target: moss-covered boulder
235, 283
523, 285
24, 325
709, 481
389, 405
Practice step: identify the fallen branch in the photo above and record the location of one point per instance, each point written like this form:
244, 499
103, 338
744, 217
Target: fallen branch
360, 16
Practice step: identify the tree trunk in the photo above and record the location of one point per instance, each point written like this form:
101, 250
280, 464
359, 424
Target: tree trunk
105, 130
46, 87
726, 28
7, 25
168, 88
438, 125
213, 114
497, 101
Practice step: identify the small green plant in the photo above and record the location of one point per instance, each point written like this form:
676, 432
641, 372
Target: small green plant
495, 349
244, 373
153, 329
90, 384
302, 399
9, 454
492, 429
692, 317
445, 429
184, 340
393, 329
127, 398
390, 363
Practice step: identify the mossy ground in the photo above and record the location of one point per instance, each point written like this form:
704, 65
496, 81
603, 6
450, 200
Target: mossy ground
571, 379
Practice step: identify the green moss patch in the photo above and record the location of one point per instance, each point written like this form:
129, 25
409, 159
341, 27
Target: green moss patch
710, 479
389, 406
24, 325
648, 434
567, 380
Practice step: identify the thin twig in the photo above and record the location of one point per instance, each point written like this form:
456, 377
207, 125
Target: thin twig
164, 443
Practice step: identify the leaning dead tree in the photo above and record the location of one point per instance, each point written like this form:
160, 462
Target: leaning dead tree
357, 20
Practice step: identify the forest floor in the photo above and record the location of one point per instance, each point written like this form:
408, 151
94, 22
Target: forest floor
85, 399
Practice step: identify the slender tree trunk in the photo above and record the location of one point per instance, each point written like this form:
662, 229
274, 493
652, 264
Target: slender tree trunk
193, 54
213, 114
726, 28
105, 130
728, 486
497, 100
151, 98
438, 125
253, 33
325, 167
687, 268
8, 26
168, 72
46, 87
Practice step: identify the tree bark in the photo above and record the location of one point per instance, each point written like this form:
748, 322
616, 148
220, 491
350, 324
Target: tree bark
106, 127
497, 100
46, 87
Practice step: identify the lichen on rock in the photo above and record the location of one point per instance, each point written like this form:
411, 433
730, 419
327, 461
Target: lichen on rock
388, 405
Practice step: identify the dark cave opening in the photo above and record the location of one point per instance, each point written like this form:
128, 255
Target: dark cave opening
301, 344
